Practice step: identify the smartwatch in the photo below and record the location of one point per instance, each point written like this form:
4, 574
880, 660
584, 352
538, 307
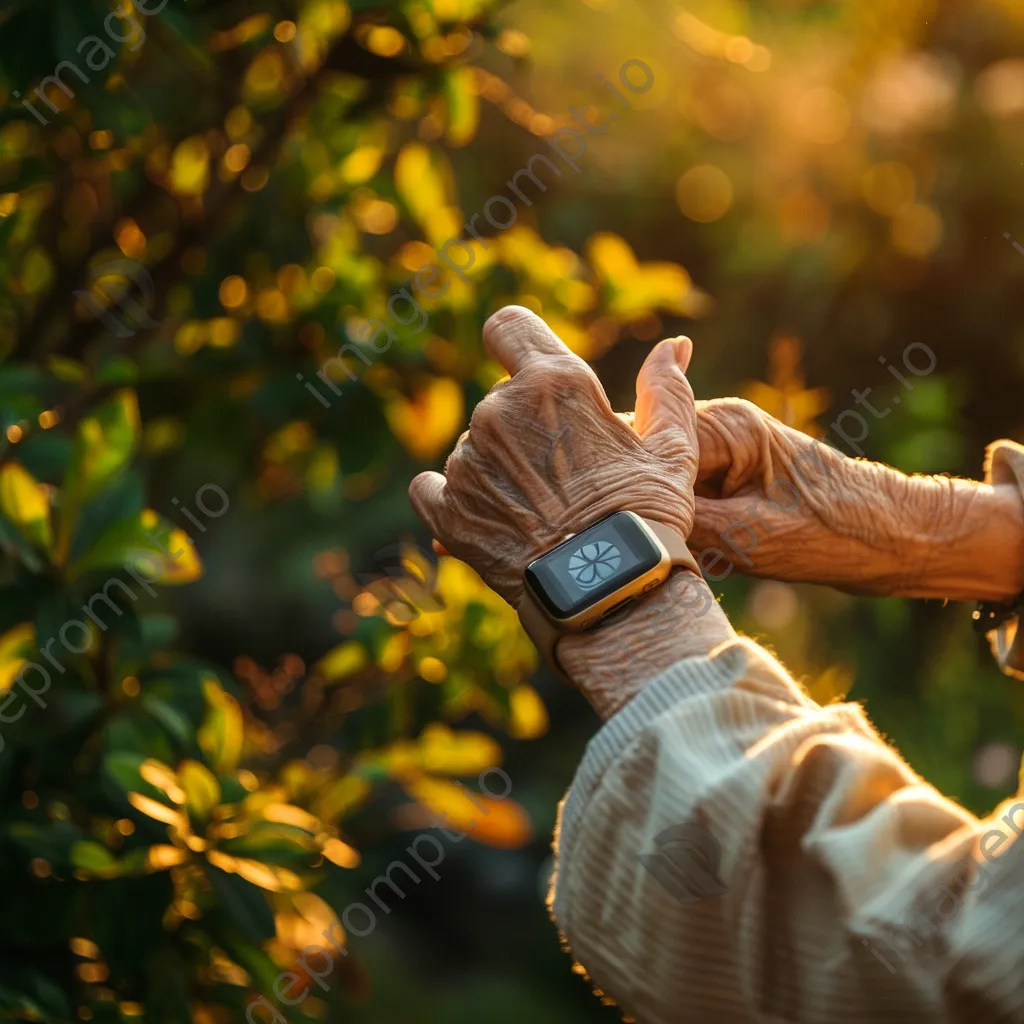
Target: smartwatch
592, 573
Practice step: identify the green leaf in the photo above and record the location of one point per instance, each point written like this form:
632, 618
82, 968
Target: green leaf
95, 859
123, 767
66, 711
261, 968
123, 499
106, 442
25, 504
147, 544
52, 841
31, 995
272, 843
244, 904
463, 105
135, 730
173, 720
12, 540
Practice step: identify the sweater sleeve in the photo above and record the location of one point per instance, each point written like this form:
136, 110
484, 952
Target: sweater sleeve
1004, 464
730, 851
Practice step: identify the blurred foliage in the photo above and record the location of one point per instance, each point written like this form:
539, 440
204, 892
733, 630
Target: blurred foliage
220, 201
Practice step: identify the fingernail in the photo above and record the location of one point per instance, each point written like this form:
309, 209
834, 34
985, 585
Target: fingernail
684, 350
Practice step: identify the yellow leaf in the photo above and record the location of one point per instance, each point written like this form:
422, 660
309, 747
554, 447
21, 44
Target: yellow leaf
529, 716
361, 164
661, 286
161, 857
501, 823
158, 811
265, 75
611, 256
634, 288
289, 814
66, 369
221, 734
337, 799
273, 879
341, 854
190, 167
456, 753
36, 271
424, 180
343, 660
427, 423
202, 790
179, 563
463, 105
15, 645
23, 501
160, 776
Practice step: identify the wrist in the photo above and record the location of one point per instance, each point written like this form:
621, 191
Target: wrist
611, 664
979, 553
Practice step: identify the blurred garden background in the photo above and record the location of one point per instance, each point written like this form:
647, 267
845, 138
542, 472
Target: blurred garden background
201, 202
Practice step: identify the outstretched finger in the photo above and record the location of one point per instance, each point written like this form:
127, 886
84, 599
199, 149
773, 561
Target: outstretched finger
516, 335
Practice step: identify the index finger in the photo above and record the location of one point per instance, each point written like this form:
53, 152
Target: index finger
515, 335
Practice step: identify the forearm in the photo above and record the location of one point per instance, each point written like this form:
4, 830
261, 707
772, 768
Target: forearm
678, 620
979, 553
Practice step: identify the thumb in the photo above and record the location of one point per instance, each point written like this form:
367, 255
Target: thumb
665, 416
428, 494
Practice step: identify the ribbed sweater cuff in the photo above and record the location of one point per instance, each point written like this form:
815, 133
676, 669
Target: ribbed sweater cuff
1004, 464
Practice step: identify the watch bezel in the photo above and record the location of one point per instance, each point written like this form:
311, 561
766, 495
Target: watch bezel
598, 609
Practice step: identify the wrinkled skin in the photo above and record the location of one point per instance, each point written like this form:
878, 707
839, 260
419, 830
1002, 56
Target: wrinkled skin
777, 503
545, 455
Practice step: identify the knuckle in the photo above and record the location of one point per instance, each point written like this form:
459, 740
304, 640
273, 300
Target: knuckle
549, 369
739, 408
579, 380
488, 414
456, 459
736, 416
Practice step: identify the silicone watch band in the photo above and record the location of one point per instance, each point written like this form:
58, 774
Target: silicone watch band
544, 632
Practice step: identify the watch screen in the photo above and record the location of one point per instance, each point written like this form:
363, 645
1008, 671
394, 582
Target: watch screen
594, 563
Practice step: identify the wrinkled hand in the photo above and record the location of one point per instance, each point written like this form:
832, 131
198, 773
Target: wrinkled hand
545, 455
778, 503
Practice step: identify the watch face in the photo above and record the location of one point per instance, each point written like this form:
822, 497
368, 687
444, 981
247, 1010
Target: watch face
594, 563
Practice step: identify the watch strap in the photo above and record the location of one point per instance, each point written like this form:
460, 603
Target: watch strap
675, 544
545, 634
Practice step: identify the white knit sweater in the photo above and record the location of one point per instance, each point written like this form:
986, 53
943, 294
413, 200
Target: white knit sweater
811, 876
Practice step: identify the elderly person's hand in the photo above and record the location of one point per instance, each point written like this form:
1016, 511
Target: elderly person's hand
545, 456
774, 502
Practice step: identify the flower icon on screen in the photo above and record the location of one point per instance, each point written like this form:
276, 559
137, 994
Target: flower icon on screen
592, 564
